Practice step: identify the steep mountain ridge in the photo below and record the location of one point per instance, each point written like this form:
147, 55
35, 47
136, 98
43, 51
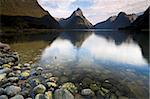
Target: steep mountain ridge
76, 21
25, 14
22, 8
115, 22
142, 22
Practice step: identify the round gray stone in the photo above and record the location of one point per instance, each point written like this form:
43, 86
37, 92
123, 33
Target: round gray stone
87, 92
63, 94
17, 97
12, 90
40, 89
3, 97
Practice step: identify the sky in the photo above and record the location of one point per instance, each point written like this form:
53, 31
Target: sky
94, 10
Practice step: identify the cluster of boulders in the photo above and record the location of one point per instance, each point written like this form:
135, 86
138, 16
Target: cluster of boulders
31, 81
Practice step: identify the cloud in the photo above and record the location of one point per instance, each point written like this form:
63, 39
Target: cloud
94, 10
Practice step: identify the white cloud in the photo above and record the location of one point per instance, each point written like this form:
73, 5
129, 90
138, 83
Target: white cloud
99, 9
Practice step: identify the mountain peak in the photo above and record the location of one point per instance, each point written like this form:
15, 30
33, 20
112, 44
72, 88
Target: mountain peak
78, 9
78, 12
122, 14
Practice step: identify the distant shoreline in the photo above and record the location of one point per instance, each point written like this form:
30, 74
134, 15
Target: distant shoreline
36, 31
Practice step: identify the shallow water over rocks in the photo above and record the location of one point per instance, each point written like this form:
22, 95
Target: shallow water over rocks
98, 65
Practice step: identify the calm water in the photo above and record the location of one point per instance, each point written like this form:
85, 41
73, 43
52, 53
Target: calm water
89, 58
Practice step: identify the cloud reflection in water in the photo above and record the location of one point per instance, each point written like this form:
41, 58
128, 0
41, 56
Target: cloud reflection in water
94, 48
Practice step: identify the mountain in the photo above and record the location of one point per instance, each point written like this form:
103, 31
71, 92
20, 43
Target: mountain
106, 24
142, 22
115, 22
142, 37
76, 21
25, 14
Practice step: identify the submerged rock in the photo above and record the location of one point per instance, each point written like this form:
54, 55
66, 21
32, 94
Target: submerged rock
2, 91
94, 87
41, 96
87, 92
3, 97
40, 89
49, 95
17, 97
24, 74
63, 94
2, 76
51, 84
12, 90
6, 66
5, 70
70, 87
13, 79
4, 46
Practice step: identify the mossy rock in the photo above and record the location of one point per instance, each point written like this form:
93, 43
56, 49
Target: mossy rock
6, 66
25, 74
94, 87
70, 87
49, 95
17, 68
51, 84
11, 63
40, 89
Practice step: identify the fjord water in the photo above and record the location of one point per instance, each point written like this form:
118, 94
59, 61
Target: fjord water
108, 59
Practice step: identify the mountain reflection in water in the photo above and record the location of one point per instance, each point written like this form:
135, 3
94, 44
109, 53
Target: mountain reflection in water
85, 58
89, 57
92, 49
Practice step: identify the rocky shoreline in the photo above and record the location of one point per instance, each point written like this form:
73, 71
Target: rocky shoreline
30, 81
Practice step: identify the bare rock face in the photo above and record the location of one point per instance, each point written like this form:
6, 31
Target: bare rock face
76, 21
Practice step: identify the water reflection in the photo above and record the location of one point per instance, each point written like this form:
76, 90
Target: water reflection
98, 59
59, 52
87, 58
117, 36
94, 48
76, 37
102, 49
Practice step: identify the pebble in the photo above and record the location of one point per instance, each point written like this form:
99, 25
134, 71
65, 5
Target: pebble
2, 76
17, 97
13, 79
12, 90
25, 74
49, 95
51, 84
3, 97
87, 92
41, 96
63, 94
39, 68
40, 89
6, 66
5, 70
2, 91
70, 87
